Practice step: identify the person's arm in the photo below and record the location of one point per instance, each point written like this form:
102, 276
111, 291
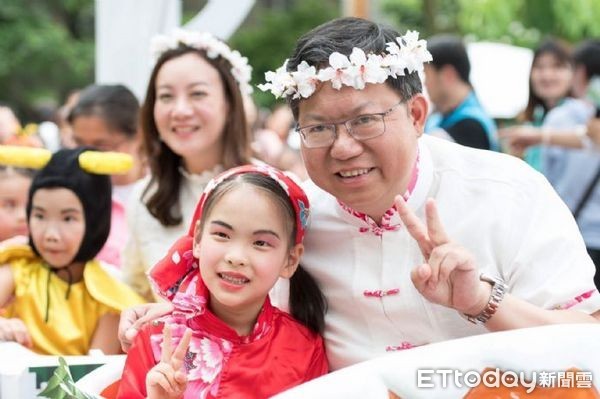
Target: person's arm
470, 133
11, 329
451, 278
519, 138
7, 285
105, 335
516, 313
318, 365
593, 130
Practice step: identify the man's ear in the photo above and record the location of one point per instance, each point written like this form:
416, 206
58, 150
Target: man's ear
418, 109
197, 236
293, 260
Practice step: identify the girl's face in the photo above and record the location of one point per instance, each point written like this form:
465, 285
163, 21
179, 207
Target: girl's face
57, 225
93, 131
14, 190
244, 247
550, 79
190, 110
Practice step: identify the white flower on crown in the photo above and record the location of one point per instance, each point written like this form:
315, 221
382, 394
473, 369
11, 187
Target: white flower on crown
240, 69
281, 84
306, 79
406, 53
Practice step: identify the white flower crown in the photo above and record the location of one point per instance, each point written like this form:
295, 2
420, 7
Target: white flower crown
406, 53
240, 69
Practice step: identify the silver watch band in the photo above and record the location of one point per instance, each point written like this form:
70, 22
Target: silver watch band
499, 289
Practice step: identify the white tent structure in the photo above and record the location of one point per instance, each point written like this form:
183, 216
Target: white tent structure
124, 29
500, 76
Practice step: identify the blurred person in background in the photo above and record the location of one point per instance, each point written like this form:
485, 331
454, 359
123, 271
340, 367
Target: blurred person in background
9, 124
62, 115
550, 82
277, 142
14, 188
571, 162
106, 117
458, 115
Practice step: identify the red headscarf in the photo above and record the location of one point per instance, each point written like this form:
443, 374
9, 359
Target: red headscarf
166, 275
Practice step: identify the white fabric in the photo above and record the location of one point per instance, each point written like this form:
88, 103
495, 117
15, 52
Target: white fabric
499, 208
123, 32
149, 240
221, 17
500, 77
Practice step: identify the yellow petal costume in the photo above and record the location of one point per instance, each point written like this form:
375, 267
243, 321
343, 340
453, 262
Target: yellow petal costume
71, 322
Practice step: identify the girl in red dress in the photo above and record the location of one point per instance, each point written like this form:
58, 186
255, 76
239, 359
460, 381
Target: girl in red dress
229, 341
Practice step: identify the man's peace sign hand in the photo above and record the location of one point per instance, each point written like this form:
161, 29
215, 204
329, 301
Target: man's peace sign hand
449, 276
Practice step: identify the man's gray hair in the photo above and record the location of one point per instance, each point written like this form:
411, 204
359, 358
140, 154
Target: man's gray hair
342, 35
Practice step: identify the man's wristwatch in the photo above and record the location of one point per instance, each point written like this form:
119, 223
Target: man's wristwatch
499, 289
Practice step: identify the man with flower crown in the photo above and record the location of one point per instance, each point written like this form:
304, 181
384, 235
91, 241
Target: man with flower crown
413, 239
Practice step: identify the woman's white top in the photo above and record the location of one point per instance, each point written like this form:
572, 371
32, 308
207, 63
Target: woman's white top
149, 241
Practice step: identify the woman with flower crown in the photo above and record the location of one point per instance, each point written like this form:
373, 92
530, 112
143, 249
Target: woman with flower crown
194, 126
413, 239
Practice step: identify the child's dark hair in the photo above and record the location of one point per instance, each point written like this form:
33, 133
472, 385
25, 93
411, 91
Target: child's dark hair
307, 303
94, 191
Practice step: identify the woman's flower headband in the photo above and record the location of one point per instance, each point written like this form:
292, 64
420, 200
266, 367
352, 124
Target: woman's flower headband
240, 69
406, 53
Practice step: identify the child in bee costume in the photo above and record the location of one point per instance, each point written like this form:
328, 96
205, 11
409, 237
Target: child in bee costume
59, 299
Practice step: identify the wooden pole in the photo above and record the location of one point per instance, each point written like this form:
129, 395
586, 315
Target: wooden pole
356, 8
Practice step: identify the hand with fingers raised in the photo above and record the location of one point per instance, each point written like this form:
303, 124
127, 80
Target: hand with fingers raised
449, 276
168, 378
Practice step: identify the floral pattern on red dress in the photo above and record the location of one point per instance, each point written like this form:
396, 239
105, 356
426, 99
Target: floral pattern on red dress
207, 354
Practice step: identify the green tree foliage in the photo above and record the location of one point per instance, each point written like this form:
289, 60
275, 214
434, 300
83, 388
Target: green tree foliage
519, 22
46, 50
268, 37
47, 46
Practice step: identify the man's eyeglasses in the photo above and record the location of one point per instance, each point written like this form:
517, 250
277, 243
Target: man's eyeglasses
362, 127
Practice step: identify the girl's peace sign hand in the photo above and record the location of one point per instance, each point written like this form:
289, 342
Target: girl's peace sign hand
449, 276
168, 378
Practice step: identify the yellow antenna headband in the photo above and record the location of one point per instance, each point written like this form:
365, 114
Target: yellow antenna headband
96, 162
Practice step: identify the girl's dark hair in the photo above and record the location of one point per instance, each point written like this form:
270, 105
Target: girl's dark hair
115, 104
307, 303
163, 203
342, 35
562, 54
